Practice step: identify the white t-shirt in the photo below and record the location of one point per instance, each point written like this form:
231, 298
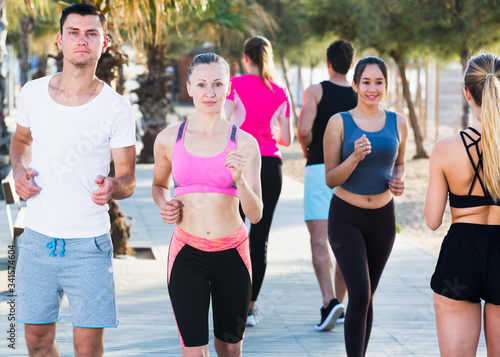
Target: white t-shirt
71, 146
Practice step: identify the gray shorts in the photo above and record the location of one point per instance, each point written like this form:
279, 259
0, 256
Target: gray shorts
81, 268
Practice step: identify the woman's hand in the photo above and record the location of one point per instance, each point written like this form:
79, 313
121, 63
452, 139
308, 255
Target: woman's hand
362, 147
170, 211
397, 186
236, 162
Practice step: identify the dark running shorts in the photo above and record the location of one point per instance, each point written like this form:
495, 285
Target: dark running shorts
468, 267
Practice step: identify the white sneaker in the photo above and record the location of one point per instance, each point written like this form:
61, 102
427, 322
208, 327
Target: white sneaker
252, 318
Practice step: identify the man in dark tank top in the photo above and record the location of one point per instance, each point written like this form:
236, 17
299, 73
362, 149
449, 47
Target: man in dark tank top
321, 101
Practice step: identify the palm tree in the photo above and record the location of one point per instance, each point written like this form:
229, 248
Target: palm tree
149, 33
33, 11
223, 22
227, 24
25, 14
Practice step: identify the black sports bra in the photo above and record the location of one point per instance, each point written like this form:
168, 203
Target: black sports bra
470, 200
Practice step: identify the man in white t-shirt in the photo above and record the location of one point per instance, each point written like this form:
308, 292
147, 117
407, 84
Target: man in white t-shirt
70, 126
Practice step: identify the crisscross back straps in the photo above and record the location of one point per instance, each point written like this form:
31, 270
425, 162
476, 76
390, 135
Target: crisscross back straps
479, 166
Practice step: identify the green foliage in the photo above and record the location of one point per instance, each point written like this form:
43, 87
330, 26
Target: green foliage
226, 24
387, 26
399, 230
312, 51
292, 27
456, 27
409, 28
45, 27
390, 27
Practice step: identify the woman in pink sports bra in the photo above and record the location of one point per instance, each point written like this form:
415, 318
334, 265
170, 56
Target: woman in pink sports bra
214, 167
260, 107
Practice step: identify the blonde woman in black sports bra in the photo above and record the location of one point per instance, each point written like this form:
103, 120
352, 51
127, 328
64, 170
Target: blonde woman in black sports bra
466, 166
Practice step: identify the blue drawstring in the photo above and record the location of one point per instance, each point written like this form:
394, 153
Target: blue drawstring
52, 245
63, 245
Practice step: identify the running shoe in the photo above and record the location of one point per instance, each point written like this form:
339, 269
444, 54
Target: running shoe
329, 315
252, 318
341, 319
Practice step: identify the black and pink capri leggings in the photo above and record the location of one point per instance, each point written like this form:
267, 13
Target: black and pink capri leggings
201, 268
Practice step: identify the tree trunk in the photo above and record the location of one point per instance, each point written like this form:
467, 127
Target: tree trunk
421, 153
464, 57
153, 98
41, 70
311, 66
300, 87
26, 27
287, 83
243, 70
59, 60
120, 82
109, 66
3, 81
108, 69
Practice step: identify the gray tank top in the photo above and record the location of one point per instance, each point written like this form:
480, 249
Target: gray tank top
373, 173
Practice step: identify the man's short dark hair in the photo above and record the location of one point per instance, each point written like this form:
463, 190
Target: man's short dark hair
340, 55
83, 10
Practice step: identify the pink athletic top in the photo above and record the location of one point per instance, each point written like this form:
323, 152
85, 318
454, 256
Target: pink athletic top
202, 174
258, 108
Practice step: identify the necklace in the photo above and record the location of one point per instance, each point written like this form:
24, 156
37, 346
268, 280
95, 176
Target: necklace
88, 98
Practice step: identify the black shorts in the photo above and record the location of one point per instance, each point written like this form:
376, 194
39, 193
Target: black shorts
468, 267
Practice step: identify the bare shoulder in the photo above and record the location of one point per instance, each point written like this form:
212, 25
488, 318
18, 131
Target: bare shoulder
446, 146
402, 124
314, 91
246, 142
401, 119
167, 136
336, 121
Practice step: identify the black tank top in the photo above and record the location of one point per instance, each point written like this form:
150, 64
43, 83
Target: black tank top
470, 200
335, 99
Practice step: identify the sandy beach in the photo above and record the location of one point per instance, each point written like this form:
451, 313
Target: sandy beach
409, 206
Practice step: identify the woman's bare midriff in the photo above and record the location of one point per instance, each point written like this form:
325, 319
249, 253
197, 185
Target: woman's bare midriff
209, 215
364, 201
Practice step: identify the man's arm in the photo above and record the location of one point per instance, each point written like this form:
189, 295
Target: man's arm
121, 186
310, 101
20, 157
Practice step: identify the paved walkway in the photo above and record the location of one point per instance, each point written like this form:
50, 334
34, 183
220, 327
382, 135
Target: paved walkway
289, 303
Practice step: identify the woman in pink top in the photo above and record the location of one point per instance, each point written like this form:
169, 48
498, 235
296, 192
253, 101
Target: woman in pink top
215, 168
261, 108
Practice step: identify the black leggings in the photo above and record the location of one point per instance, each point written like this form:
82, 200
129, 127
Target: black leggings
362, 241
271, 177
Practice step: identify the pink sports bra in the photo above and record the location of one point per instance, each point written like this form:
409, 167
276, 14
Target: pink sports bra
202, 174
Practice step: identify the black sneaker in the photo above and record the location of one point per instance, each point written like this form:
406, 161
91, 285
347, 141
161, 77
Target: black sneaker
329, 315
341, 319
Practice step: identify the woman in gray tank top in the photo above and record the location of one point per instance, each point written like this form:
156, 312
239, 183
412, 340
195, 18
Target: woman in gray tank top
364, 152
